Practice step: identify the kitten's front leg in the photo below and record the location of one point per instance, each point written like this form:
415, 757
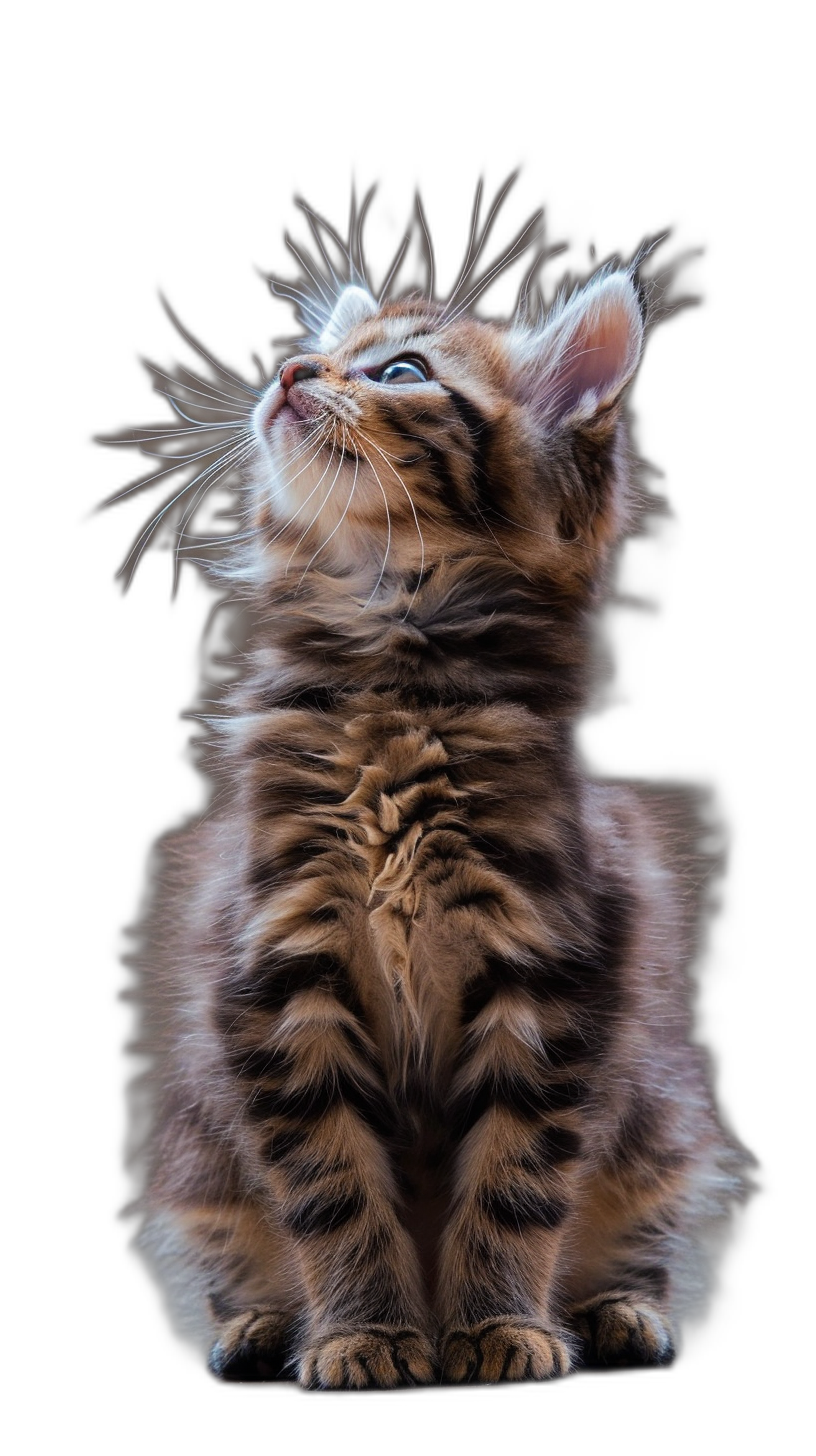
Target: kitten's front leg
318, 1116
517, 1109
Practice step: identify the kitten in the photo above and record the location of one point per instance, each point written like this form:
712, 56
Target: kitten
425, 1103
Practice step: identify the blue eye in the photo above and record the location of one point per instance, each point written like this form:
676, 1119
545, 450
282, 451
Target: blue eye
404, 371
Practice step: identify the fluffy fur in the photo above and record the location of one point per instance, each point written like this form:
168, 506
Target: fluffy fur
424, 1097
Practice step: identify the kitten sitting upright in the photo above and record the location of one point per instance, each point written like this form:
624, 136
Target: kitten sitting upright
425, 1099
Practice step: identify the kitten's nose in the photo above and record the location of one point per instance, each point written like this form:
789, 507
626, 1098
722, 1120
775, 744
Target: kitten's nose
303, 404
296, 370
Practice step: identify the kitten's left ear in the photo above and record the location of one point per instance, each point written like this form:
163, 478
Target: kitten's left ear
579, 363
353, 305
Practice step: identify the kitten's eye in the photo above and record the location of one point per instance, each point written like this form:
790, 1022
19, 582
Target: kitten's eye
403, 371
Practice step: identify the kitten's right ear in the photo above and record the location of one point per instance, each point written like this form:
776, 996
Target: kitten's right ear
580, 361
353, 305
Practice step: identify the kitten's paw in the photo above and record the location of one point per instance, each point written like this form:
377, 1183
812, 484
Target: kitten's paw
503, 1349
255, 1345
375, 1356
618, 1331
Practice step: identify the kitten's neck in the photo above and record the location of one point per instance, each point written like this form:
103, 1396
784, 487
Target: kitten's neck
464, 630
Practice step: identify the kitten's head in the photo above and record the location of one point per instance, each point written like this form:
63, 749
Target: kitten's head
398, 433
411, 431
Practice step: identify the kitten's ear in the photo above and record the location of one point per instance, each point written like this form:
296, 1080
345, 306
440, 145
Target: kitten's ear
583, 357
353, 305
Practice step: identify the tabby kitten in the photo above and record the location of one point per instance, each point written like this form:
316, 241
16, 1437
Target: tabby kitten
425, 1104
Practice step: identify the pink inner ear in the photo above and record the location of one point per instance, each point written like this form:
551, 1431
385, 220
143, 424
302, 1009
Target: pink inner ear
597, 346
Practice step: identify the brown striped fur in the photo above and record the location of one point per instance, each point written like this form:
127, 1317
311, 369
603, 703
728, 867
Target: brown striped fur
425, 1101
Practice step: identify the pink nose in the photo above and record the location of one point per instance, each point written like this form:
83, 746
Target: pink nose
295, 370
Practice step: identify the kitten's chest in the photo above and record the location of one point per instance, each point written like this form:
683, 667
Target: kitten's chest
378, 834
409, 832
404, 814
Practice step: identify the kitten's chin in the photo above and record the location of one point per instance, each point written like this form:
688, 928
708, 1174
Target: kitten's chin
266, 411
288, 412
282, 410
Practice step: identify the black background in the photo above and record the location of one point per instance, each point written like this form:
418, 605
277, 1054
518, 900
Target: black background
181, 204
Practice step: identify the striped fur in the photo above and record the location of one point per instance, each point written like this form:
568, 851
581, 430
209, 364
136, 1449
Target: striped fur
425, 1100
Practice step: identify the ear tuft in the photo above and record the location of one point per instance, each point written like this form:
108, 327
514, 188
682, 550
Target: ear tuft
353, 305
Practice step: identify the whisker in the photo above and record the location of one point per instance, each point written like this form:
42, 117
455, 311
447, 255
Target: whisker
210, 408
185, 457
314, 228
316, 516
305, 266
304, 307
289, 480
179, 462
167, 433
209, 390
199, 348
373, 443
474, 223
428, 248
388, 539
294, 517
239, 455
516, 250
394, 269
149, 530
497, 203
341, 520
358, 263
528, 283
226, 538
242, 408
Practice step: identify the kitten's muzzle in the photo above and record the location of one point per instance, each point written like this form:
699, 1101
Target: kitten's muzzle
286, 394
